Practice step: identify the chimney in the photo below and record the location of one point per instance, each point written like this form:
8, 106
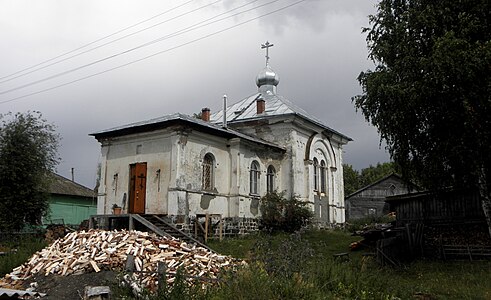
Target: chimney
205, 114
261, 105
224, 123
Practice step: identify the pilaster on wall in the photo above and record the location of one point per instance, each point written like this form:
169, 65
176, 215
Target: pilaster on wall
235, 160
174, 170
102, 191
309, 185
295, 188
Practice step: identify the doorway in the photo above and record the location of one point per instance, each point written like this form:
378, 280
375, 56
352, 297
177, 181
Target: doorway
138, 186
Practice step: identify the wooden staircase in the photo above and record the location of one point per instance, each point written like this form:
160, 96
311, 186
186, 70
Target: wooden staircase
163, 227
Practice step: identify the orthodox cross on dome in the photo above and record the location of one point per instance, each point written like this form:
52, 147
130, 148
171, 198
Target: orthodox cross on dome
267, 45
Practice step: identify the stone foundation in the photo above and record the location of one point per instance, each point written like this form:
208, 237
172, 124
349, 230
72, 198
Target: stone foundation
235, 226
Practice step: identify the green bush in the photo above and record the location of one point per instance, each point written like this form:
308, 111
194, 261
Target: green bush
284, 259
281, 214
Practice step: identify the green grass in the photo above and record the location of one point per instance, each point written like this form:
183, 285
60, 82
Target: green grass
323, 277
302, 266
19, 250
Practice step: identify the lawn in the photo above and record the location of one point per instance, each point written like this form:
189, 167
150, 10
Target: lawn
302, 266
360, 277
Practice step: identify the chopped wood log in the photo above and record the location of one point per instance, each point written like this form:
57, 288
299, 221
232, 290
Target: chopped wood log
95, 250
94, 265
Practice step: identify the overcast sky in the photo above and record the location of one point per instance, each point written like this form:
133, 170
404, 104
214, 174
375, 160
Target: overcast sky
318, 52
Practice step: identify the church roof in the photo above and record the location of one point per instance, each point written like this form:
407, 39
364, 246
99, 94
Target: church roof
276, 105
168, 120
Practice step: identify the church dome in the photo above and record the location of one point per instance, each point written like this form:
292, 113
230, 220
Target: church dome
267, 77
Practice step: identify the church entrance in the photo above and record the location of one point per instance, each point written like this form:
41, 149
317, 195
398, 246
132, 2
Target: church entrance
321, 208
138, 186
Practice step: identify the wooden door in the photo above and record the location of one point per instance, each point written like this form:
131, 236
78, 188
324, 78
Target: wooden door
138, 185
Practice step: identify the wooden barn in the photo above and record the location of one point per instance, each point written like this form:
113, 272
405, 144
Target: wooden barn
447, 224
443, 207
370, 200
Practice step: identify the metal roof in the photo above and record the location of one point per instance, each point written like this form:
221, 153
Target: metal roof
63, 186
276, 105
164, 121
15, 294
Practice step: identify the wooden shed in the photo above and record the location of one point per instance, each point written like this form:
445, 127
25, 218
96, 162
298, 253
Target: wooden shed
442, 207
70, 202
370, 200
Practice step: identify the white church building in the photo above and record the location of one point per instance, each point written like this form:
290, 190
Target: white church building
223, 163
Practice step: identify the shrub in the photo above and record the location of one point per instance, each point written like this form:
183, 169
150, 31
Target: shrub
281, 214
284, 259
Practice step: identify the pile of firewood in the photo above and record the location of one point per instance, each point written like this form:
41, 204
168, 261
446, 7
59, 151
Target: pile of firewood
54, 232
95, 250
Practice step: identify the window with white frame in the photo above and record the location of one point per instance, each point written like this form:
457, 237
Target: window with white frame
323, 171
208, 176
316, 174
270, 179
254, 178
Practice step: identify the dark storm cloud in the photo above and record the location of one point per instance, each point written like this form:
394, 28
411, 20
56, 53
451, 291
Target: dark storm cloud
319, 51
310, 13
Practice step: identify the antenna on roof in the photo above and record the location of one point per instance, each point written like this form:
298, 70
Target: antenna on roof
224, 124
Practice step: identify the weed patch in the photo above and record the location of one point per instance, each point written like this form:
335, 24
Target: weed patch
18, 250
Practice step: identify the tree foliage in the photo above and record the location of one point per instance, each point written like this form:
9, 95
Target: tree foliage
430, 93
351, 179
281, 214
374, 173
28, 153
354, 180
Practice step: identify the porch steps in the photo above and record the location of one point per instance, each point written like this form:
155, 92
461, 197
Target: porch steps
162, 227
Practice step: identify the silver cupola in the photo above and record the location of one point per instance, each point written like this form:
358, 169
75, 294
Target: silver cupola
267, 79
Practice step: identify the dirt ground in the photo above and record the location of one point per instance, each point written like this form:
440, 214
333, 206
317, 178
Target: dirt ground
71, 287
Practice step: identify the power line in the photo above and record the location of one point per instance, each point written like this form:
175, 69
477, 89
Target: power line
100, 46
98, 40
177, 33
154, 54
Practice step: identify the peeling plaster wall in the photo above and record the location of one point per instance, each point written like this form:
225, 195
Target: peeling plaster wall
230, 196
186, 196
117, 156
178, 152
296, 176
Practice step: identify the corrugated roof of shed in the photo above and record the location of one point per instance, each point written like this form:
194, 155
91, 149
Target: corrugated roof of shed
15, 294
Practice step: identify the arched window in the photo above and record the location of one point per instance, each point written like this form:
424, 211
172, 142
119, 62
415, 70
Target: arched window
316, 174
254, 178
323, 171
208, 176
270, 176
